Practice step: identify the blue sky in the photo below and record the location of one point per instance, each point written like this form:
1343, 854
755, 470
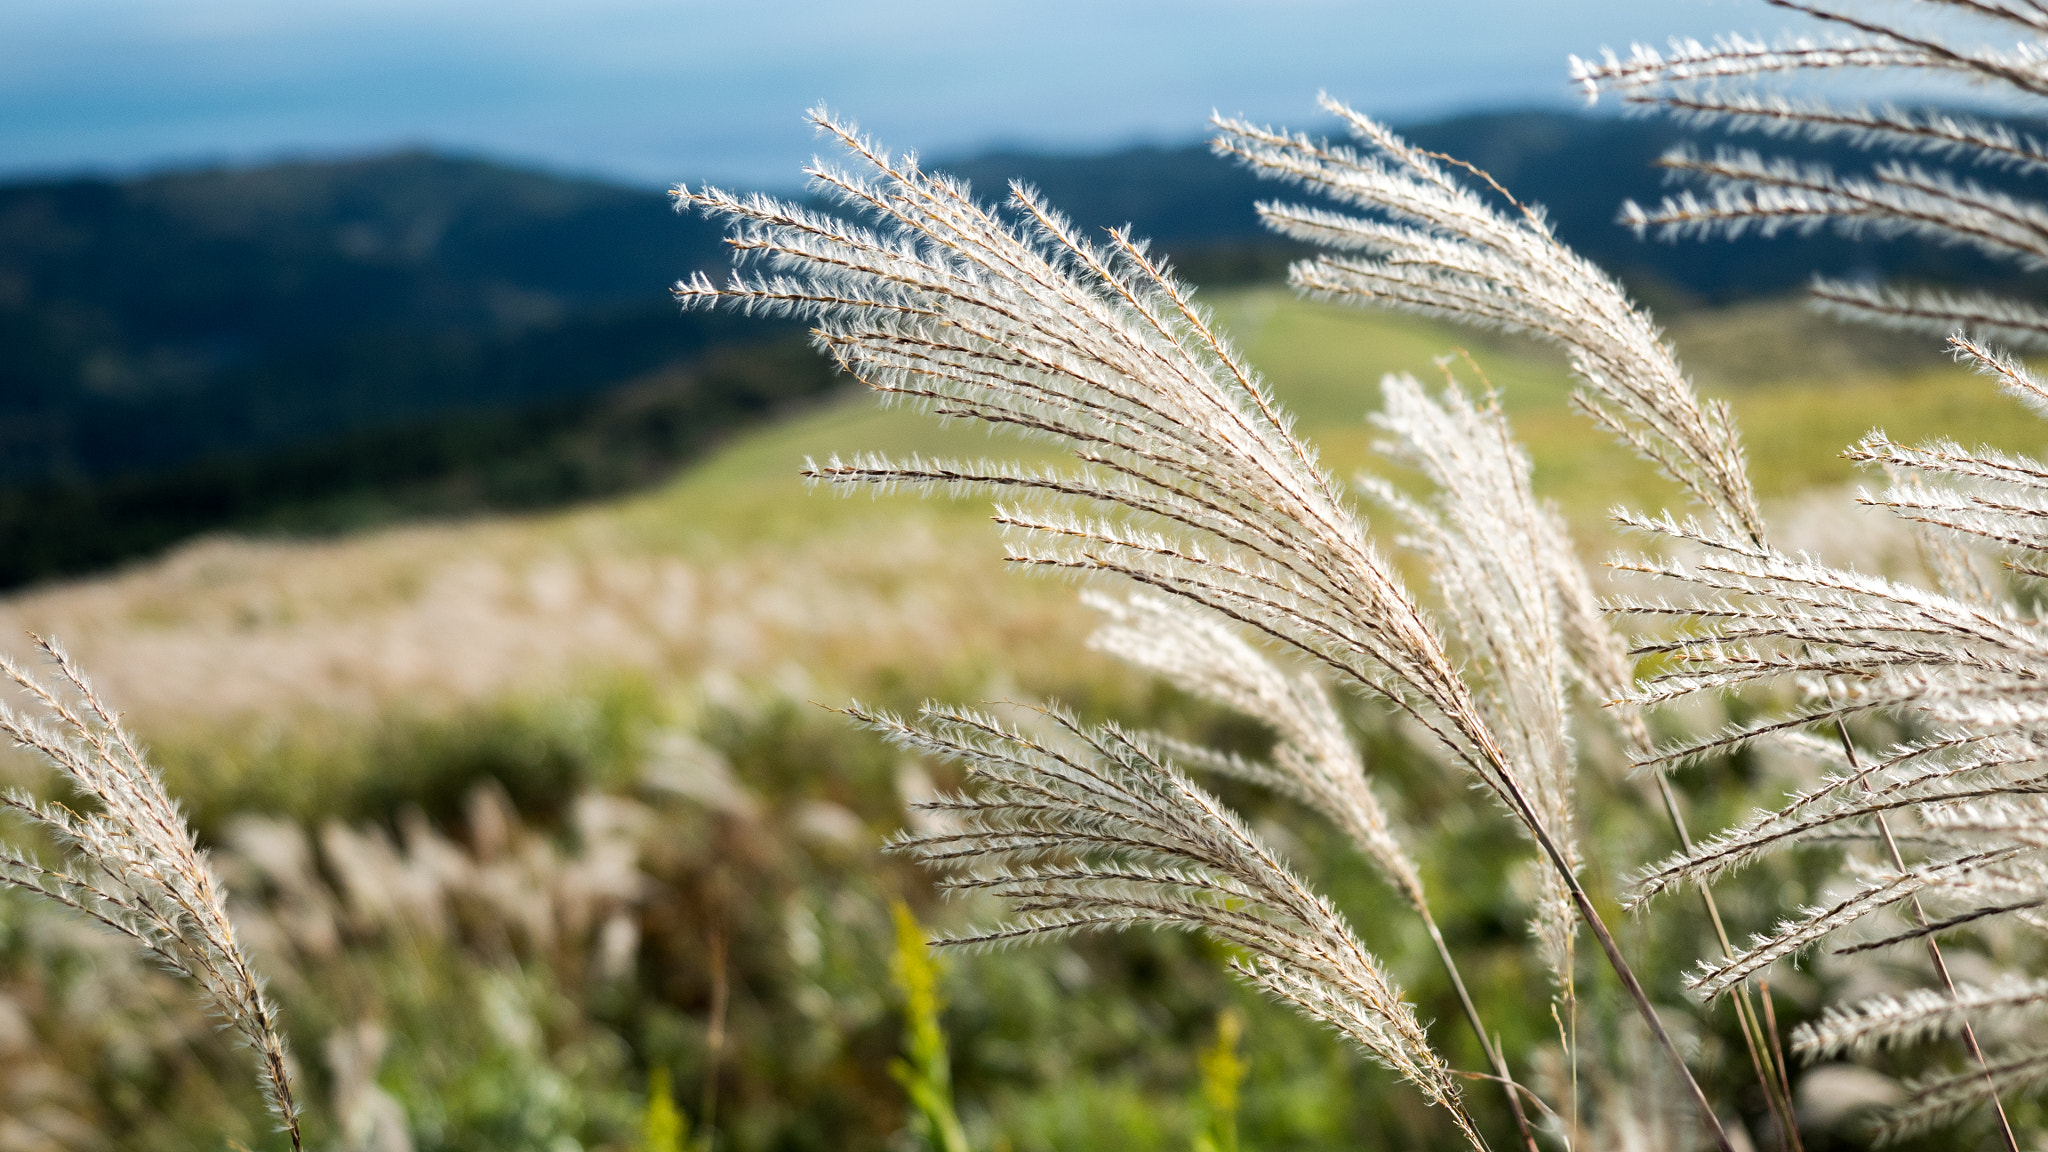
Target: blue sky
655, 91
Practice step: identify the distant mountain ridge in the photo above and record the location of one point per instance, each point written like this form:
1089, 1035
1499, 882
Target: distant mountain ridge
1578, 168
177, 350
151, 321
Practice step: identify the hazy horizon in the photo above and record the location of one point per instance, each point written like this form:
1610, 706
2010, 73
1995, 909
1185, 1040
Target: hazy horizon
653, 91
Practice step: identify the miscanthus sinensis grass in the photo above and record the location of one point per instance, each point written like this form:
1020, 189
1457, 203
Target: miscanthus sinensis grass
1250, 576
1918, 705
131, 863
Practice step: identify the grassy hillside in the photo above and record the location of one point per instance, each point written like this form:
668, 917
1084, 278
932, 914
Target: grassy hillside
580, 744
1803, 387
760, 576
315, 346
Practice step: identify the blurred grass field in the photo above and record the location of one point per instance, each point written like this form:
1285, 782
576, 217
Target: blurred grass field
737, 577
661, 651
1803, 388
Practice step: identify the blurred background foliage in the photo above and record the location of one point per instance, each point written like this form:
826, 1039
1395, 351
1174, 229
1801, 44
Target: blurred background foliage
530, 815
317, 346
510, 916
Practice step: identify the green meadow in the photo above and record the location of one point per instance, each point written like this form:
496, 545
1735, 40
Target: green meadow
487, 715
1803, 389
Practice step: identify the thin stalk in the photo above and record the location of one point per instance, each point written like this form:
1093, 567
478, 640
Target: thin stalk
1767, 1060
1526, 812
1771, 1028
1764, 1057
1970, 1044
714, 1040
1486, 1045
1564, 1037
1634, 987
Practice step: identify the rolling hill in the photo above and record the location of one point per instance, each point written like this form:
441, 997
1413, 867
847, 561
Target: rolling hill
734, 573
313, 346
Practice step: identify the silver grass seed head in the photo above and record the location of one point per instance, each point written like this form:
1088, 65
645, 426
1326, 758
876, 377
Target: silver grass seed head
1088, 828
132, 864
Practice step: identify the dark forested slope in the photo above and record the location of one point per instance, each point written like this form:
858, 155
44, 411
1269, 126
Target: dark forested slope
312, 344
1578, 168
152, 321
